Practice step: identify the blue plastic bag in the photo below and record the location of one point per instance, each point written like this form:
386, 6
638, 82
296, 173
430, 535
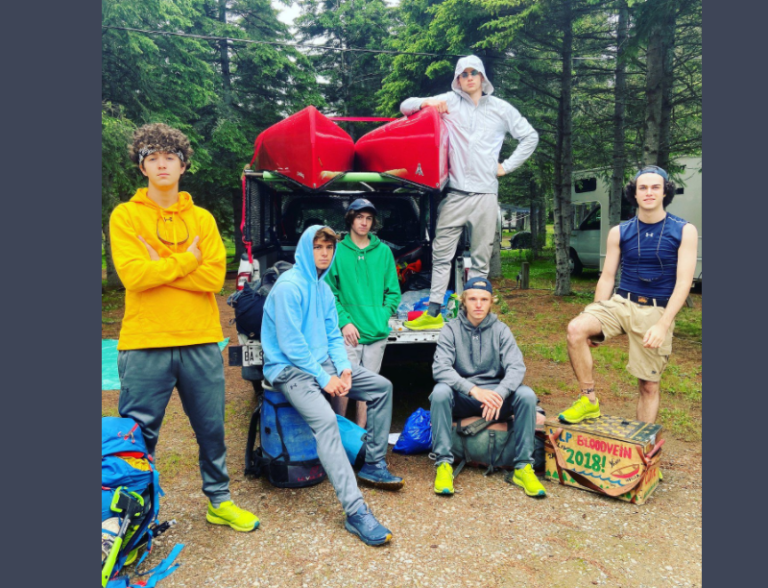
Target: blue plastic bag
417, 434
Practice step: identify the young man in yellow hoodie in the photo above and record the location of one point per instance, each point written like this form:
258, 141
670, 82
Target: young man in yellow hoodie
171, 260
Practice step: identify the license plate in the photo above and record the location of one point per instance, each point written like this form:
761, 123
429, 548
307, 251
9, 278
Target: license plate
252, 356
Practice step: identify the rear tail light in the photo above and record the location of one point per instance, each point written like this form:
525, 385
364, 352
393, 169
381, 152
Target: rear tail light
242, 279
244, 272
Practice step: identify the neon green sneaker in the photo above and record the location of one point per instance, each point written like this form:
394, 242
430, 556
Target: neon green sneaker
580, 410
527, 480
444, 479
234, 516
425, 323
132, 557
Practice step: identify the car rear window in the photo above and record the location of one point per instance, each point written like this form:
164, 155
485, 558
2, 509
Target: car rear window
398, 216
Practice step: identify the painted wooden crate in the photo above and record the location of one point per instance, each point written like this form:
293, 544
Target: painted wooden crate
608, 455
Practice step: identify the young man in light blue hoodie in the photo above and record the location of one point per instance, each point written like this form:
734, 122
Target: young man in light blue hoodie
304, 356
477, 124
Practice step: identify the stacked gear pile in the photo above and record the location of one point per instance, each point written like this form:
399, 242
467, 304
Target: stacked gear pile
130, 491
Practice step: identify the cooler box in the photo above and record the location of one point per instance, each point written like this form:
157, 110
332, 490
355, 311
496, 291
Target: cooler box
608, 455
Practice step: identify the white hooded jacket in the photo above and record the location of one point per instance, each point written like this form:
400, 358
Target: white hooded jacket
476, 133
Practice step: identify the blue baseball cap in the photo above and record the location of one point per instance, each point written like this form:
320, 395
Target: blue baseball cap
362, 204
652, 169
479, 284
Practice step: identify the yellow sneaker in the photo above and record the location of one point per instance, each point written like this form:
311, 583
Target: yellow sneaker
527, 480
444, 479
234, 516
580, 410
425, 323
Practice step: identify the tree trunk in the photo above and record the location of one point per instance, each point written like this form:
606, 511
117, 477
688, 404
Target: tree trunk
564, 161
226, 76
668, 38
237, 208
494, 270
113, 280
658, 85
620, 98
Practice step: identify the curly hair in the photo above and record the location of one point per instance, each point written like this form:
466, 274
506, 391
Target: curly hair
160, 137
349, 218
630, 190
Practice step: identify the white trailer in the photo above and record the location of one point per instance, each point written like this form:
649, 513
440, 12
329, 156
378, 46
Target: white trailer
590, 196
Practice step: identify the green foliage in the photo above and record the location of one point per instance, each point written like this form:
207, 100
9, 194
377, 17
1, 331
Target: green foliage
349, 80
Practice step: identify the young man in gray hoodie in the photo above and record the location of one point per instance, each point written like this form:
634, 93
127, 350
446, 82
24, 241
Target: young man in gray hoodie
479, 371
477, 124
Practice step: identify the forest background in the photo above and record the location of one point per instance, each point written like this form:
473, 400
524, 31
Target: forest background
608, 84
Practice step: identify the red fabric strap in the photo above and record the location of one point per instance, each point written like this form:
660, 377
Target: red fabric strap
362, 118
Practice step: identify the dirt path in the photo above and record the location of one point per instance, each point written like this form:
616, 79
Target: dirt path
488, 534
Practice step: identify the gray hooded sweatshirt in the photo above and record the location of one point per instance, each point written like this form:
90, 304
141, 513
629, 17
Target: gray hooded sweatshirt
476, 133
485, 356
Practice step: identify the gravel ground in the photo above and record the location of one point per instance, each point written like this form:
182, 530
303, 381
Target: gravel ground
488, 534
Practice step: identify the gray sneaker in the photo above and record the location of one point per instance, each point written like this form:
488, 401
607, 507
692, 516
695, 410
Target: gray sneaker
364, 525
379, 476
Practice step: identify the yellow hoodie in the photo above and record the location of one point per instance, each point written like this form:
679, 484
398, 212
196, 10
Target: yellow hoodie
171, 301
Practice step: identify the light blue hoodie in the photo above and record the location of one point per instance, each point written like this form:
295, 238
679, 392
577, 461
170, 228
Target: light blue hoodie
301, 326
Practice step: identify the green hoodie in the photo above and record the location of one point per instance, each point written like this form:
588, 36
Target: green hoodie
364, 282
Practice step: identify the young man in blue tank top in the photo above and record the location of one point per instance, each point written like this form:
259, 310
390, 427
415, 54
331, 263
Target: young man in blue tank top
657, 253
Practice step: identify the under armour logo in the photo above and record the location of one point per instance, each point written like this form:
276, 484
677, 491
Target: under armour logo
649, 234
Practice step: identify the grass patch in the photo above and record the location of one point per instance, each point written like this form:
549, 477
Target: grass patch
688, 324
557, 353
112, 300
172, 464
680, 423
542, 272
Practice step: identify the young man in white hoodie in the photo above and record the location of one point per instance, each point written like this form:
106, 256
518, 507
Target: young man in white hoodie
477, 124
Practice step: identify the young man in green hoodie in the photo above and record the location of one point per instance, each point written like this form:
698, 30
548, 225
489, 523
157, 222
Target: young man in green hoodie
364, 281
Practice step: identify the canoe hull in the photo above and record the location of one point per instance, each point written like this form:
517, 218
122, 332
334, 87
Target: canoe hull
306, 147
413, 148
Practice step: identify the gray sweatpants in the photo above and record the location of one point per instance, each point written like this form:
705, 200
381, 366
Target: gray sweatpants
147, 379
480, 213
446, 403
306, 396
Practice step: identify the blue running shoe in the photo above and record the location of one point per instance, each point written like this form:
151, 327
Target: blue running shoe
364, 525
378, 475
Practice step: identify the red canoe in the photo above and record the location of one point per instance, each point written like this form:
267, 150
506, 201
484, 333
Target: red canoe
413, 148
306, 147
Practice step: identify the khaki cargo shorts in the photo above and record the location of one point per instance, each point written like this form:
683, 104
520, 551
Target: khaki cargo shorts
618, 316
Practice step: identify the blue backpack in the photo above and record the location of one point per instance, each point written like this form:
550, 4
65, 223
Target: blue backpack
127, 469
287, 455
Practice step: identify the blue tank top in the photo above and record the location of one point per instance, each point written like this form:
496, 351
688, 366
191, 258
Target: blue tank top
644, 272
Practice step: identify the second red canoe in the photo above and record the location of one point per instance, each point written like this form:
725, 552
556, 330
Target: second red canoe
413, 148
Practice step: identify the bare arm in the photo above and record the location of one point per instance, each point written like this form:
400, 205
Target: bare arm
607, 280
686, 265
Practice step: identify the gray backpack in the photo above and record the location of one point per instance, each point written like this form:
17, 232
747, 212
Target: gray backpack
480, 443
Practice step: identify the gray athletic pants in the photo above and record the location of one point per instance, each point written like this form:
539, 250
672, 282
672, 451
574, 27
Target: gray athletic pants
306, 396
480, 213
446, 403
147, 379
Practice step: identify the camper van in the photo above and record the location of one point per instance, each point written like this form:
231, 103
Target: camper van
590, 197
